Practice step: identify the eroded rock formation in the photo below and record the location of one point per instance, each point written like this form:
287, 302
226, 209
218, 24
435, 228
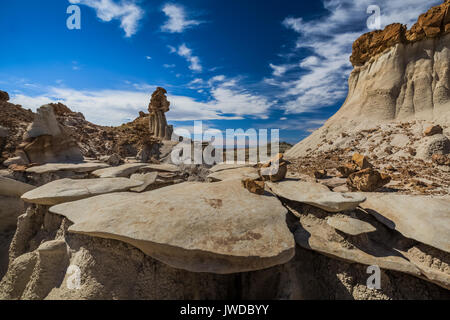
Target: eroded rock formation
399, 75
46, 140
158, 107
430, 25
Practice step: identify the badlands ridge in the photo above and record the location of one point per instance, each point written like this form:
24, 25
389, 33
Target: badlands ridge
92, 212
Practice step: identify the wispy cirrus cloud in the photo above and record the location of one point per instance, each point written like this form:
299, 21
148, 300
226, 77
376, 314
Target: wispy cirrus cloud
127, 12
321, 80
177, 21
194, 61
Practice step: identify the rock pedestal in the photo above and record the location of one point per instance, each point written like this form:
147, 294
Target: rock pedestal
158, 107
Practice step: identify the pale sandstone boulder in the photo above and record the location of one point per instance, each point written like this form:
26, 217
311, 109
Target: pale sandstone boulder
234, 174
216, 228
13, 188
422, 218
316, 195
47, 141
66, 190
349, 225
124, 170
44, 124
436, 144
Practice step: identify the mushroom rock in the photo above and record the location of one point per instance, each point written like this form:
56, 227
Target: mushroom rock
158, 106
46, 141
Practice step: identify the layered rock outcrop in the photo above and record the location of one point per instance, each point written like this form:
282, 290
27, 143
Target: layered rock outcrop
432, 24
220, 231
158, 106
399, 75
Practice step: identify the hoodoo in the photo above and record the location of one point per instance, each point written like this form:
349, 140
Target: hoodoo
158, 106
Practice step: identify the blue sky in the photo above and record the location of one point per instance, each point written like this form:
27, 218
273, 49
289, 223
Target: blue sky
233, 64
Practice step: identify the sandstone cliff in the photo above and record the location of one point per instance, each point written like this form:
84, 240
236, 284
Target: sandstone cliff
399, 75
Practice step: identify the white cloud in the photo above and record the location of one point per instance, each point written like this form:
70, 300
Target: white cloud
322, 79
196, 81
194, 61
215, 79
297, 123
280, 70
114, 107
148, 58
169, 66
172, 49
196, 84
178, 21
219, 78
128, 12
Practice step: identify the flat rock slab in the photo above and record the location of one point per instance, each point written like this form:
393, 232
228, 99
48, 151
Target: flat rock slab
349, 225
147, 180
66, 190
13, 188
124, 170
316, 195
73, 167
315, 234
228, 166
234, 174
421, 218
162, 168
216, 228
